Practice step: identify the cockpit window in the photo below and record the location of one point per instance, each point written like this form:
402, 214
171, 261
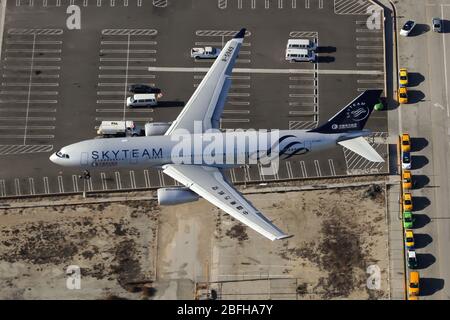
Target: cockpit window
59, 154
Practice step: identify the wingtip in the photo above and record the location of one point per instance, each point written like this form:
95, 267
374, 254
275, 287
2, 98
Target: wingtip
285, 236
240, 34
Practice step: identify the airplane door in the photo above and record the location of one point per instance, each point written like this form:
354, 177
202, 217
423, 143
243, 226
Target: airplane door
84, 159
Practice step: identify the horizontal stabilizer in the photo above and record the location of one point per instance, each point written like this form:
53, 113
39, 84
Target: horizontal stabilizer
363, 148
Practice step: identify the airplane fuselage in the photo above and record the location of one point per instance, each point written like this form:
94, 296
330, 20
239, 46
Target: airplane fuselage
217, 149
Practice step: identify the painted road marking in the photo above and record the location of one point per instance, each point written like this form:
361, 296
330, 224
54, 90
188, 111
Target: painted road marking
61, 184
132, 179
31, 184
46, 185
147, 179
118, 181
317, 165
17, 187
270, 71
2, 188
303, 168
161, 178
75, 183
332, 169
289, 170
104, 182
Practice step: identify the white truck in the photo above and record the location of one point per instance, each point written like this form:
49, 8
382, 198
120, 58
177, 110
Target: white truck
118, 129
205, 53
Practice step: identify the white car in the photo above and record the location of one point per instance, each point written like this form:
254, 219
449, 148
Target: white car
205, 53
407, 28
406, 161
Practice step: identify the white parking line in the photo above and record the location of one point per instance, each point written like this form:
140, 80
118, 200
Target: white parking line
31, 184
104, 182
317, 165
2, 188
61, 184
75, 183
17, 187
118, 42
331, 164
161, 178
147, 179
118, 181
132, 180
303, 168
232, 175
289, 170
270, 71
46, 185
29, 90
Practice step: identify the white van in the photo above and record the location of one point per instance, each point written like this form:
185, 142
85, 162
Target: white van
142, 100
301, 44
300, 55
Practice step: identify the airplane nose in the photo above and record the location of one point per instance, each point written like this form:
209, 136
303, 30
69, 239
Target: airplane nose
53, 158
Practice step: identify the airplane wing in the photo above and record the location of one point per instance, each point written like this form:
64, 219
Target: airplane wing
206, 104
210, 184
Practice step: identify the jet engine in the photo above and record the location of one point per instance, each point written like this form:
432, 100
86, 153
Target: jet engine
176, 195
156, 128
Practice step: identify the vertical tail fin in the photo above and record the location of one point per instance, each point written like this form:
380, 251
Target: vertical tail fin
353, 116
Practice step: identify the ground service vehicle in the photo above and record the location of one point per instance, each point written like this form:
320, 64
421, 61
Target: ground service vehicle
117, 129
205, 53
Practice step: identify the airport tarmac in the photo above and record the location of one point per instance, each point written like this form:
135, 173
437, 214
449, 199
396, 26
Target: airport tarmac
58, 84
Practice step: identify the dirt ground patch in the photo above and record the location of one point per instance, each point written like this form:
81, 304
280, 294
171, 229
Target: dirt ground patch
113, 244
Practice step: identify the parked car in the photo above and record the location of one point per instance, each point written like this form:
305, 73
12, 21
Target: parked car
406, 161
142, 100
205, 53
407, 202
407, 28
407, 180
408, 219
413, 286
403, 77
143, 88
406, 142
412, 259
409, 239
436, 23
402, 95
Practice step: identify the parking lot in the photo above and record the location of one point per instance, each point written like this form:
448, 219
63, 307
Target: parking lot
59, 84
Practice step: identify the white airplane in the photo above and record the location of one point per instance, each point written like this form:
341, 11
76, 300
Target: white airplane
198, 123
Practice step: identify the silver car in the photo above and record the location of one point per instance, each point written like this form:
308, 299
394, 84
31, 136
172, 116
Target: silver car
437, 24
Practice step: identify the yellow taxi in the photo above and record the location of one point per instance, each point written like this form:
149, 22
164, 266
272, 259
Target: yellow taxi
407, 180
407, 202
409, 239
402, 95
403, 77
413, 287
406, 142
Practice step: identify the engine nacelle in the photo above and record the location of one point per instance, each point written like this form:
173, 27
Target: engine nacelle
176, 195
156, 128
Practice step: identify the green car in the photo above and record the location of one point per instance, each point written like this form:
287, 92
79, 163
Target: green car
408, 219
379, 106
